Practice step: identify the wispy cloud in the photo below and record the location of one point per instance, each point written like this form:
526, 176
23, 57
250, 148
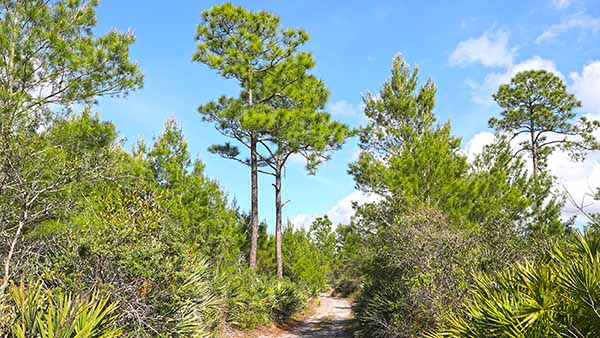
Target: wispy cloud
578, 21
344, 108
561, 4
490, 50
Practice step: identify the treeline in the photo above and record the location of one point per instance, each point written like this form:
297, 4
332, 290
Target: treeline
100, 241
460, 249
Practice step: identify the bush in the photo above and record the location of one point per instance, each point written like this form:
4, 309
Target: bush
255, 299
557, 296
418, 268
249, 299
199, 305
346, 275
33, 311
304, 262
290, 299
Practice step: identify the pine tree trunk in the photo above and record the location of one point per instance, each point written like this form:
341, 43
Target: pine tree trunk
534, 154
254, 197
278, 231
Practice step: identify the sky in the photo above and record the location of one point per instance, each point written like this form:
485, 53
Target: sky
467, 48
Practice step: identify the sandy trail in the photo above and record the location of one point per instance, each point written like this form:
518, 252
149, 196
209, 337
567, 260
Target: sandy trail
331, 320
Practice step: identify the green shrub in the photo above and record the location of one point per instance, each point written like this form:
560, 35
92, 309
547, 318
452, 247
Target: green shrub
304, 263
418, 269
33, 311
199, 305
255, 299
250, 299
289, 299
554, 297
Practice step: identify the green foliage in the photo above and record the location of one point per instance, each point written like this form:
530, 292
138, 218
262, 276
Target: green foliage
34, 311
199, 304
240, 44
147, 234
554, 297
500, 191
400, 113
418, 267
47, 173
256, 299
346, 271
411, 254
162, 239
405, 155
55, 60
51, 62
304, 262
323, 236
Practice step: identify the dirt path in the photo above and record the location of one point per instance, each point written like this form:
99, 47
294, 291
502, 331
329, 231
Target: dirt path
330, 320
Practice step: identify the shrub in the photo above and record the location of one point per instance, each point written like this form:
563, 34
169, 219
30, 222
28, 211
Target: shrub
255, 299
289, 299
199, 305
418, 269
557, 296
249, 299
304, 263
33, 311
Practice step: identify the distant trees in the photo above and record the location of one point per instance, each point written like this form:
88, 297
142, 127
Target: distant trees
279, 111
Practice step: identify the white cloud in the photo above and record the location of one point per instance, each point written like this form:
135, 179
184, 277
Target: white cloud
482, 93
344, 108
561, 4
303, 220
340, 213
579, 21
490, 50
586, 86
475, 145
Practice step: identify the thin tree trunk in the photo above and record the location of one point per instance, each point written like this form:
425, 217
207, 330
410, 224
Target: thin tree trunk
537, 204
254, 203
278, 207
254, 193
12, 251
534, 154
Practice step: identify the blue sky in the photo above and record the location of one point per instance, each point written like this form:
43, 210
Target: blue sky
466, 47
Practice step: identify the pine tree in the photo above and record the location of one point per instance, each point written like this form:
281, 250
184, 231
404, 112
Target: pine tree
249, 47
